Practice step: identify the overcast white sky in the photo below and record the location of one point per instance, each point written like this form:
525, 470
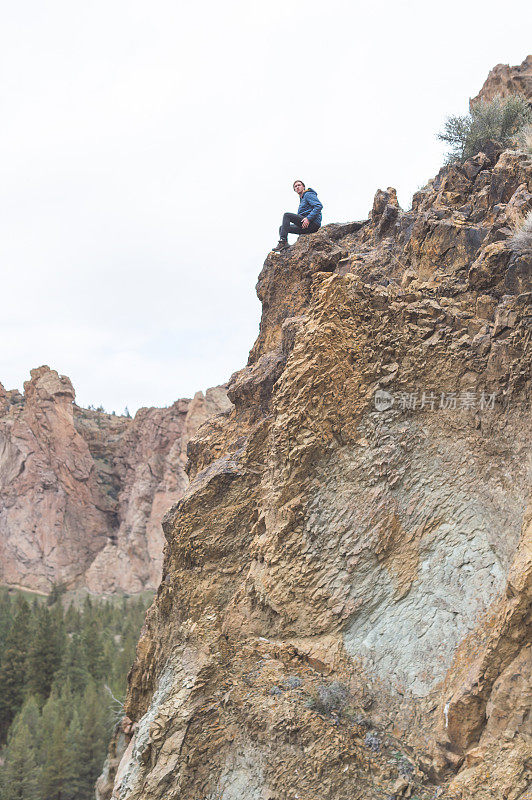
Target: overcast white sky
148, 150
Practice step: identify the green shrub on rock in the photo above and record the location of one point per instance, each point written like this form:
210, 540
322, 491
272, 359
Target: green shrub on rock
498, 120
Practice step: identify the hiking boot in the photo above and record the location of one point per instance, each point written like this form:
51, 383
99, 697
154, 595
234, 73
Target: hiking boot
280, 246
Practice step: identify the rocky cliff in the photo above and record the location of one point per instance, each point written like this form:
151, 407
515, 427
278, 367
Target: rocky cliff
345, 603
505, 80
82, 493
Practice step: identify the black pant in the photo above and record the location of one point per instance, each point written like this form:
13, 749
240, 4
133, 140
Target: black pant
292, 224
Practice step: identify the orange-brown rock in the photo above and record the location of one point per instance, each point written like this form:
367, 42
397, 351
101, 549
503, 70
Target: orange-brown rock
345, 604
82, 493
505, 80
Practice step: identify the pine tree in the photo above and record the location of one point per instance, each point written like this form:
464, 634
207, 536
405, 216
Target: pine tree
21, 773
56, 592
55, 749
87, 607
45, 652
6, 618
74, 670
94, 652
72, 619
13, 667
95, 731
124, 659
75, 755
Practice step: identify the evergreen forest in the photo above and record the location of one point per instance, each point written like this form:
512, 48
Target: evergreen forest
63, 673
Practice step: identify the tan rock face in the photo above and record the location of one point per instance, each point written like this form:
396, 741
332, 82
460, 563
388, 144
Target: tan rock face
345, 603
82, 493
505, 80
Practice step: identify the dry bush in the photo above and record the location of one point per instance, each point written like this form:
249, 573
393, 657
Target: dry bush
330, 697
523, 139
521, 241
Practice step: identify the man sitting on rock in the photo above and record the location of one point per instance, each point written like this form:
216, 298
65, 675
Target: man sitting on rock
307, 219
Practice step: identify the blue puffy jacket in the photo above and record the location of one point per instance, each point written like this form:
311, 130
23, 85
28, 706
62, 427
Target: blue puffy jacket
310, 207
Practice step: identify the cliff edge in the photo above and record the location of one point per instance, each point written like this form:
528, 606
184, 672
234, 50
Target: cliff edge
344, 610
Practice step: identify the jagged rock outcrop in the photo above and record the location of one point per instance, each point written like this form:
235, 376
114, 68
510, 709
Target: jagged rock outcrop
82, 493
505, 80
345, 603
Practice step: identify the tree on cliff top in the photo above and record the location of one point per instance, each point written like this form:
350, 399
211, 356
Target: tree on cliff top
497, 120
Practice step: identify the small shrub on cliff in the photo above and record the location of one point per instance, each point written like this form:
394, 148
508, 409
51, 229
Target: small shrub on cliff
523, 139
329, 698
521, 241
498, 120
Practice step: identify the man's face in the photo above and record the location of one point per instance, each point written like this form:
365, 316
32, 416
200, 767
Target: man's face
299, 188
